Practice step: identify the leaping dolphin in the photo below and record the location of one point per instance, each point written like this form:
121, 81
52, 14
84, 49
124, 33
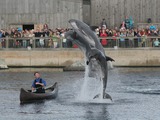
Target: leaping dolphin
89, 43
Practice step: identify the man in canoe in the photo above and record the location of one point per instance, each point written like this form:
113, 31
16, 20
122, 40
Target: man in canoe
38, 84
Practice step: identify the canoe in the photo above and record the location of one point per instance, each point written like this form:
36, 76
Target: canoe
50, 93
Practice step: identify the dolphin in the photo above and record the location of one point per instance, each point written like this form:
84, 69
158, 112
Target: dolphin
89, 43
84, 31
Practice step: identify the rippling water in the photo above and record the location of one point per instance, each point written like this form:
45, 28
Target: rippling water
135, 93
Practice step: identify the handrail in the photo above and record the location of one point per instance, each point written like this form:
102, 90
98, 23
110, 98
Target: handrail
127, 37
24, 42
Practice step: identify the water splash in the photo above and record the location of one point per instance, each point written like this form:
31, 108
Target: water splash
92, 84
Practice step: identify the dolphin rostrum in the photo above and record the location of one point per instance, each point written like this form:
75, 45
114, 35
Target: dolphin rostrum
90, 45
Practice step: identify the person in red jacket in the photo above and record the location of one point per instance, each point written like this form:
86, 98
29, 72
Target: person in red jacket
103, 35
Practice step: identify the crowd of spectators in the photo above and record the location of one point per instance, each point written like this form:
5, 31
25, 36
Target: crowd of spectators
128, 35
124, 36
45, 37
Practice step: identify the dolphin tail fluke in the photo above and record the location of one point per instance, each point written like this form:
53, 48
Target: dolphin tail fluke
109, 59
97, 96
105, 96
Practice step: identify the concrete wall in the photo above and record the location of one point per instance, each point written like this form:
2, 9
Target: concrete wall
114, 11
86, 11
67, 57
55, 13
3, 64
135, 57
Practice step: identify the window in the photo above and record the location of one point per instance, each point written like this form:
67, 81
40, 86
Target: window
28, 27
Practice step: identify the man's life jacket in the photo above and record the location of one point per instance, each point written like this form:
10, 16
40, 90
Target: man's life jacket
39, 88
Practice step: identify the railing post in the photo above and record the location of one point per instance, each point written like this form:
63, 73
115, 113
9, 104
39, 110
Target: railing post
146, 41
7, 42
34, 42
61, 42
117, 42
0, 43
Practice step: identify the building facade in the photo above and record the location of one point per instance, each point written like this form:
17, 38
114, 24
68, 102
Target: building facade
115, 11
56, 13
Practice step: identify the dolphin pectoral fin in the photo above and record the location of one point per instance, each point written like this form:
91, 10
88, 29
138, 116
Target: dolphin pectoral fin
97, 96
109, 59
107, 96
87, 62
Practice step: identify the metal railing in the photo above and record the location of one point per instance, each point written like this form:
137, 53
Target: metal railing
48, 42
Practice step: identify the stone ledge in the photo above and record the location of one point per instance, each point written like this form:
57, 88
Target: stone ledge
2, 64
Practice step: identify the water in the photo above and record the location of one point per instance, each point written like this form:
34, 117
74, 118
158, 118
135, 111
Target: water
91, 86
135, 93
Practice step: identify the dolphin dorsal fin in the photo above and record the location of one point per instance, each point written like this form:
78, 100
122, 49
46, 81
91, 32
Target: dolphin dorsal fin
109, 59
